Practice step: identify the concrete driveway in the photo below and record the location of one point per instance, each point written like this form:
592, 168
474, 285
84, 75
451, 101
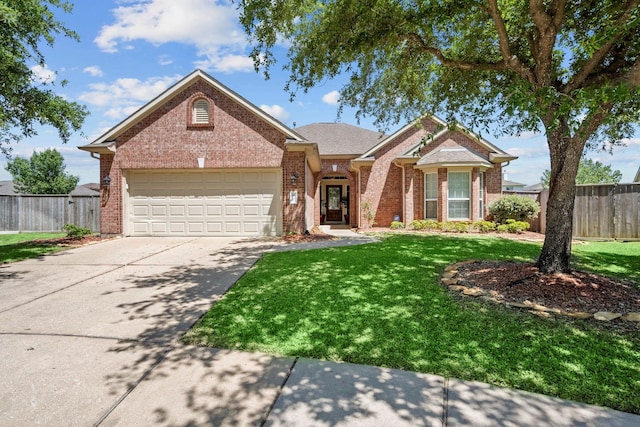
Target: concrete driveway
81, 328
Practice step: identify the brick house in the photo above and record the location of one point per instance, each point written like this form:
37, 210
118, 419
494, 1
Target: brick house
201, 160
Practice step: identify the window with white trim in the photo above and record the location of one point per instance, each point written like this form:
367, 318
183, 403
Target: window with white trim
431, 196
481, 195
201, 113
459, 191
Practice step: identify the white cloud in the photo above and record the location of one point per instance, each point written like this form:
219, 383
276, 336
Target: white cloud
124, 96
43, 74
211, 26
225, 63
331, 98
631, 141
165, 60
93, 70
276, 111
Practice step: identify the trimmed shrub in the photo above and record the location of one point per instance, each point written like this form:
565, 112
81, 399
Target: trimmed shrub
455, 227
75, 232
513, 226
484, 226
424, 224
397, 225
517, 208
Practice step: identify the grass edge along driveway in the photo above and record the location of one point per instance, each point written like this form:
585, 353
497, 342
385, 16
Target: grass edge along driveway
19, 246
381, 304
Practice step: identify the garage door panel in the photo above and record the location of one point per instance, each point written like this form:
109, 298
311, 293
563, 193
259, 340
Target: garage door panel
158, 227
214, 210
215, 203
232, 210
251, 210
232, 227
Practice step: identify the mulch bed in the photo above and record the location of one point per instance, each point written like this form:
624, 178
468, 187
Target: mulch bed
68, 241
577, 291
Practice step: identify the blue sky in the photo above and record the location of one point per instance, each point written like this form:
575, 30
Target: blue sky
132, 50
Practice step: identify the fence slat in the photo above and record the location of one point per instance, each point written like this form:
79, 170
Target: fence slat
23, 213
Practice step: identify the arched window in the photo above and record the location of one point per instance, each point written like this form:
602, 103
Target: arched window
201, 114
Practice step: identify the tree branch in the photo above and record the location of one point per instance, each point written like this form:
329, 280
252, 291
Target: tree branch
593, 121
503, 37
511, 61
581, 76
546, 31
415, 39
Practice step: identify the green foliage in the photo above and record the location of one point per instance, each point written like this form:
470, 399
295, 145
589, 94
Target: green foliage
16, 247
397, 225
26, 100
454, 227
484, 226
565, 69
43, 173
589, 172
513, 226
519, 208
425, 224
369, 213
75, 232
391, 311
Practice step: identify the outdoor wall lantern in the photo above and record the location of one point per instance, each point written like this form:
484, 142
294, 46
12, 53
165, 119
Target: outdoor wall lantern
107, 181
294, 178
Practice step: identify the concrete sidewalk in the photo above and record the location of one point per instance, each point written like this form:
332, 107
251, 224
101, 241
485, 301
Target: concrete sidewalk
90, 336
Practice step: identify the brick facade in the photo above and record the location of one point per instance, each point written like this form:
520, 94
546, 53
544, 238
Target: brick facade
385, 182
387, 195
166, 139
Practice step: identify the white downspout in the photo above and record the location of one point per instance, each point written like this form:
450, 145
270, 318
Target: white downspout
359, 197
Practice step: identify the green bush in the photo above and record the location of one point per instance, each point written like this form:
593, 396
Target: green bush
397, 225
424, 224
484, 226
75, 232
455, 227
513, 226
517, 208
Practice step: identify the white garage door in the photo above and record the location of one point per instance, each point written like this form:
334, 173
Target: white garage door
204, 203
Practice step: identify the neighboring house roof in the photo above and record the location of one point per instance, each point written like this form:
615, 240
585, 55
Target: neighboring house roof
535, 187
507, 183
637, 178
340, 138
8, 189
453, 156
105, 143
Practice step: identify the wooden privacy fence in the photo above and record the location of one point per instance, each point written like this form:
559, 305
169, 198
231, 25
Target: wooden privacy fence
609, 211
48, 213
602, 211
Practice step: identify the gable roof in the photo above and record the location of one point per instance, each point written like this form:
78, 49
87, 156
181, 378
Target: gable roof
452, 156
106, 141
495, 153
340, 138
637, 178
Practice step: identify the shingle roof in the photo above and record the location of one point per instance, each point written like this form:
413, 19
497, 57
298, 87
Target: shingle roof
452, 156
340, 138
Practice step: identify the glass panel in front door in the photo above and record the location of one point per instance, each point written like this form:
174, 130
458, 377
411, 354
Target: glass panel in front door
334, 194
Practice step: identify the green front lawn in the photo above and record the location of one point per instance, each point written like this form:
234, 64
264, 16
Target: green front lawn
380, 304
16, 247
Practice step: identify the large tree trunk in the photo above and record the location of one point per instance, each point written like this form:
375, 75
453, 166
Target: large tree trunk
565, 159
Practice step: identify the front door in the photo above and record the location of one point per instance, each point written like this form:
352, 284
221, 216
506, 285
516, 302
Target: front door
334, 211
